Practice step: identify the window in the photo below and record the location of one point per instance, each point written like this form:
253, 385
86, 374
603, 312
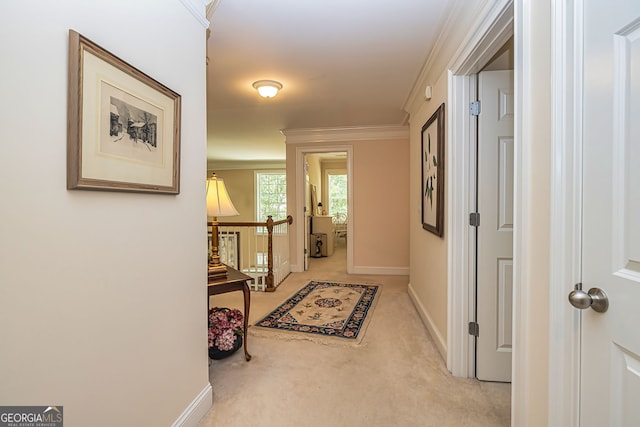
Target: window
337, 194
271, 195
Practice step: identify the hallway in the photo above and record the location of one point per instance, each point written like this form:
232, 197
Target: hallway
396, 377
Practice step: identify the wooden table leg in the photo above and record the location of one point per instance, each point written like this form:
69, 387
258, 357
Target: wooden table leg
247, 304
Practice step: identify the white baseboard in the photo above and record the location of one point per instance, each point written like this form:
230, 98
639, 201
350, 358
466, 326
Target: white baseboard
389, 271
441, 343
197, 409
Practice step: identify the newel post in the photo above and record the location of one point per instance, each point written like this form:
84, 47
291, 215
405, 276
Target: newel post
270, 286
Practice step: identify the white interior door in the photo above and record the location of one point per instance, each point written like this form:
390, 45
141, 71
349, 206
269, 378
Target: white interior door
610, 353
495, 234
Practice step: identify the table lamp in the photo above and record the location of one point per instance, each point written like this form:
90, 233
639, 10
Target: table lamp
218, 204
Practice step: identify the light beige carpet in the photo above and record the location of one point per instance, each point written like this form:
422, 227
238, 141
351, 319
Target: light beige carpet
396, 378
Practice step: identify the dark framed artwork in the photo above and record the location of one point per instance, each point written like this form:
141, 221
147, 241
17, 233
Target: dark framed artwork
123, 127
433, 173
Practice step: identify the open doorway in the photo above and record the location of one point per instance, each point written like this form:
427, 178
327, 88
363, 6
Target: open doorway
326, 208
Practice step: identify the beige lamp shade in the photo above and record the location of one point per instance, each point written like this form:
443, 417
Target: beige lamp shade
218, 200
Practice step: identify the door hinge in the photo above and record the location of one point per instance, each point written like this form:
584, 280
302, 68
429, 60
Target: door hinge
474, 219
474, 329
474, 107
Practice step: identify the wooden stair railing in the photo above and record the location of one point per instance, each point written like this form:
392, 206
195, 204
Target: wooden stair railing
269, 225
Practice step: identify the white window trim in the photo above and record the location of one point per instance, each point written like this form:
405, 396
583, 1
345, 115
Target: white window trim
325, 183
256, 187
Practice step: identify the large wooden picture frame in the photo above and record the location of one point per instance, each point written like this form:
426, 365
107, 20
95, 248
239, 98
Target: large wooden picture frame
433, 173
123, 127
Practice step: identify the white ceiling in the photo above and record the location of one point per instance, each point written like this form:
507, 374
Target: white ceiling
342, 63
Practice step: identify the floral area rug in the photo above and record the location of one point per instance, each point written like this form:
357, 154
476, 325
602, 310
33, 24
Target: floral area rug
321, 310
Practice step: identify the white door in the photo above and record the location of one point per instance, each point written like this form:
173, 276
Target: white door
610, 353
495, 234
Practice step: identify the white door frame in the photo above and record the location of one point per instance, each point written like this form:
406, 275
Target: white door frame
494, 30
566, 188
299, 208
566, 211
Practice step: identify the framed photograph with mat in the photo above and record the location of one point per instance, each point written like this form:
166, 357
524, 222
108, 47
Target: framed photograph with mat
433, 173
123, 127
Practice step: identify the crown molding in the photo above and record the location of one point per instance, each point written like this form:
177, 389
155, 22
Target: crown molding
345, 134
245, 164
490, 34
497, 14
198, 9
416, 95
211, 7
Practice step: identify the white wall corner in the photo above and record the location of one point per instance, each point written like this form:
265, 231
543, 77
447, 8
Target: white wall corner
199, 9
440, 342
197, 409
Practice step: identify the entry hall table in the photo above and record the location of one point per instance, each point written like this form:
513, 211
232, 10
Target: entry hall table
235, 281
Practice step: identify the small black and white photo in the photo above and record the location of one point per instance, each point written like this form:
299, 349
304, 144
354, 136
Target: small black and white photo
129, 127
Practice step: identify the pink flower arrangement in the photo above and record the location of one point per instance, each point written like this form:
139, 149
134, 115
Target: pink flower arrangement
225, 325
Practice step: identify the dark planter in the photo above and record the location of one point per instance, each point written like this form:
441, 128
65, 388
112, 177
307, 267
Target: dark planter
217, 354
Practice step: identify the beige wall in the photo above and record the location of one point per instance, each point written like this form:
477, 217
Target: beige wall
380, 215
428, 251
428, 269
102, 301
380, 204
241, 188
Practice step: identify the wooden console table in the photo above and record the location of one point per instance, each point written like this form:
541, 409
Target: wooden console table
235, 281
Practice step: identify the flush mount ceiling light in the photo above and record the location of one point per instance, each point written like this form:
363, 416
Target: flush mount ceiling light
267, 88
